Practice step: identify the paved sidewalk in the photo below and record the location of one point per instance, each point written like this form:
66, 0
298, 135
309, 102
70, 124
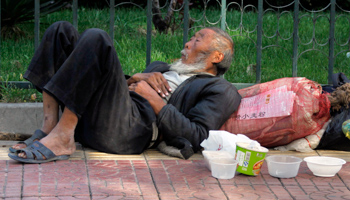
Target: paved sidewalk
151, 175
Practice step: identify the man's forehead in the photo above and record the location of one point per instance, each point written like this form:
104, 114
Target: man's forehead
199, 34
203, 33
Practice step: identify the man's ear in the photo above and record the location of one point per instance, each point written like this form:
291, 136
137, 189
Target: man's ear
218, 57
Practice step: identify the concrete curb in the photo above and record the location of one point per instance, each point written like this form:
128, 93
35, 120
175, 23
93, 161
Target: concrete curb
22, 118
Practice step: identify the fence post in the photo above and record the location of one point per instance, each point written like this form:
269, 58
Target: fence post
331, 42
259, 42
186, 19
149, 32
111, 19
223, 14
75, 14
295, 38
0, 36
36, 23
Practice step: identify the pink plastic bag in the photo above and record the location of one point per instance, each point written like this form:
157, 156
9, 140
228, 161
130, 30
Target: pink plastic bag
310, 110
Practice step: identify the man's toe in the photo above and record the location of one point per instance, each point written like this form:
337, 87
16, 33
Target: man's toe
22, 155
19, 146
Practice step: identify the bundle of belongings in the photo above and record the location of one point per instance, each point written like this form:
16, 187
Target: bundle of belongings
278, 112
295, 114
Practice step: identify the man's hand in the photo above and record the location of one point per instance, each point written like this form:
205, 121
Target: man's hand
146, 91
155, 79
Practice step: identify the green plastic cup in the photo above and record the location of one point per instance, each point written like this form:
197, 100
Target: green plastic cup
249, 160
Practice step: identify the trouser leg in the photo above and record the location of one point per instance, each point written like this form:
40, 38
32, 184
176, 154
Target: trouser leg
57, 44
90, 82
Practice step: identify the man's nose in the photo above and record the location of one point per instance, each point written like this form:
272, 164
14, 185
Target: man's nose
187, 45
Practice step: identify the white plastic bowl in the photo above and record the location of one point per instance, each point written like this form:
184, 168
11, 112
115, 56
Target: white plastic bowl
282, 166
324, 166
211, 155
223, 168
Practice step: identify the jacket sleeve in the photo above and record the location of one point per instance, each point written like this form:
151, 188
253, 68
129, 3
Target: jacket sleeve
213, 107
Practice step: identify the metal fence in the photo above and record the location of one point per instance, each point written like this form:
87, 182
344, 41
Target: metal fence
292, 44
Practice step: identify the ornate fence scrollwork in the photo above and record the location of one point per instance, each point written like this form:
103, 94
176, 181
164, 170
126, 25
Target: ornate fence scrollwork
289, 35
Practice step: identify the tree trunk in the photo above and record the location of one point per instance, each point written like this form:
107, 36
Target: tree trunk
161, 24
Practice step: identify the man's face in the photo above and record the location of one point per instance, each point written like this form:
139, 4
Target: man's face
197, 45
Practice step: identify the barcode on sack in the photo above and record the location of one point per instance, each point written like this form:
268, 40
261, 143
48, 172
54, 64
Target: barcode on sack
247, 155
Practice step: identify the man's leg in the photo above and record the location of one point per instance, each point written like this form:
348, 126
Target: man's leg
91, 84
61, 139
114, 120
57, 44
50, 108
50, 119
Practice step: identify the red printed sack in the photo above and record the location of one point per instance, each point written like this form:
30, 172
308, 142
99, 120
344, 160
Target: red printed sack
277, 112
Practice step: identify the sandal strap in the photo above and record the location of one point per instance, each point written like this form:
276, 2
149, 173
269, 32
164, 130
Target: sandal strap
38, 150
28, 153
38, 134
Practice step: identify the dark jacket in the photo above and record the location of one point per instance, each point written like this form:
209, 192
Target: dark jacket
199, 104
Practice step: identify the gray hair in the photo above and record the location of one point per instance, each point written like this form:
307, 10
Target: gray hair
224, 44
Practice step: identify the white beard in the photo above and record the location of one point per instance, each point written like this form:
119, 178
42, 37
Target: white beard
182, 68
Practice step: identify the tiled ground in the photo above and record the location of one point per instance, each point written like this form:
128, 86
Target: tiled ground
93, 175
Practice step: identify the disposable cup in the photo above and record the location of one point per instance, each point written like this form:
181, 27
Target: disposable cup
249, 160
223, 168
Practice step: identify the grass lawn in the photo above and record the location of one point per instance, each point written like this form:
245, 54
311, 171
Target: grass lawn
130, 43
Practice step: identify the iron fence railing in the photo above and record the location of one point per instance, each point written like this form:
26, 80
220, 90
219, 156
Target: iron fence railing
256, 34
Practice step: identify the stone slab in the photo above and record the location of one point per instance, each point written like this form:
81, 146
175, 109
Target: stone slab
22, 118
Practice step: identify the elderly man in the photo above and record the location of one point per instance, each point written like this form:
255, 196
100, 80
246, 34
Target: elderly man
108, 111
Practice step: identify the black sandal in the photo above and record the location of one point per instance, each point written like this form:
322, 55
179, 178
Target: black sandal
38, 134
37, 153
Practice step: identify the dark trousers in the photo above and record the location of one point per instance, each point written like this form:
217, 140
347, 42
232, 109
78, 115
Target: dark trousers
84, 74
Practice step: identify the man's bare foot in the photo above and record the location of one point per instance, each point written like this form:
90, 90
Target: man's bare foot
48, 125
60, 142
38, 134
21, 145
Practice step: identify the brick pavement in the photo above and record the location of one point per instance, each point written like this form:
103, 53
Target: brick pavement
151, 175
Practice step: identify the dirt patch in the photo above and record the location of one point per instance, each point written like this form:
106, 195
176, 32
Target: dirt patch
13, 136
